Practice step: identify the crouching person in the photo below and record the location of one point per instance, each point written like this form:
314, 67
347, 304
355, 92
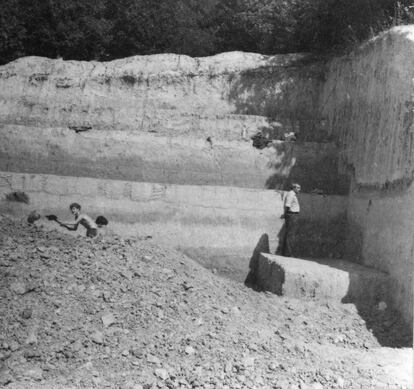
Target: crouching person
82, 219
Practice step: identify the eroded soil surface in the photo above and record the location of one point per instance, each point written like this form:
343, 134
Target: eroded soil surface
126, 313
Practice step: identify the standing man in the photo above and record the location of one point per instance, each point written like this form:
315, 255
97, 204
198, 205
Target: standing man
291, 215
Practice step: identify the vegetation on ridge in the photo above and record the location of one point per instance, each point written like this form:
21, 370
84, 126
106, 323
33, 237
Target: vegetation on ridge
108, 29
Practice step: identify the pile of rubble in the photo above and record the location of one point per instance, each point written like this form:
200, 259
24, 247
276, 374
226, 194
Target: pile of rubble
125, 313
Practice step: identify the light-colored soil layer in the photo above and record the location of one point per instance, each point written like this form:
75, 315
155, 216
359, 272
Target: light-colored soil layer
184, 216
125, 313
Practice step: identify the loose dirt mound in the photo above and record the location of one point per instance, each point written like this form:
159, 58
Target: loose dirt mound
124, 313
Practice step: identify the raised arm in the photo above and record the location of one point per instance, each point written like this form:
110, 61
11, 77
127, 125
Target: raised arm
70, 226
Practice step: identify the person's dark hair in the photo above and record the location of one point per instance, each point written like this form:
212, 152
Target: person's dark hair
33, 216
75, 205
101, 221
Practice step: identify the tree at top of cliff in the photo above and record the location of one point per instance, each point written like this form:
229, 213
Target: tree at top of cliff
73, 29
108, 29
148, 27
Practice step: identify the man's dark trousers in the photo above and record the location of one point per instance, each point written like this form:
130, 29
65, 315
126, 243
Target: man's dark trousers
291, 224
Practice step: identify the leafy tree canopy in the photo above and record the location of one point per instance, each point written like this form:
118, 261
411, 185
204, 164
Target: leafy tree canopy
108, 29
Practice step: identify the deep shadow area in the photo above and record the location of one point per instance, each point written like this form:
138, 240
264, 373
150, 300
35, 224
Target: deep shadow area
280, 236
262, 246
297, 163
317, 238
387, 325
286, 91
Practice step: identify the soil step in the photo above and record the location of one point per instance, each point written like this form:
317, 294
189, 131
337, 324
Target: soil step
321, 279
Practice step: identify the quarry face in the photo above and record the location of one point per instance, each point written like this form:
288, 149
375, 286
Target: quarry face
162, 146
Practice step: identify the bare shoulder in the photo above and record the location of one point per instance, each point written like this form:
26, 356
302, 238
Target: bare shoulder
81, 216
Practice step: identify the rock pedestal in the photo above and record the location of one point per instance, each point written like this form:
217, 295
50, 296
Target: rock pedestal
321, 280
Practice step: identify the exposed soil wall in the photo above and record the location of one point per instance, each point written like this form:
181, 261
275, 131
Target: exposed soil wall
380, 234
184, 216
370, 108
179, 129
167, 121
228, 96
170, 160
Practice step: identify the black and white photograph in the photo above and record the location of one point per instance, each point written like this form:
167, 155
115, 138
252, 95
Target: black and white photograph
206, 194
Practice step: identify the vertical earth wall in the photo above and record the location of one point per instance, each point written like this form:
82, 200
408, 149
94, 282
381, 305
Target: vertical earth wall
369, 106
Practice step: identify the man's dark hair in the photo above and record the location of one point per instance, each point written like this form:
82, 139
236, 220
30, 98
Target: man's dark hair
75, 205
101, 221
33, 216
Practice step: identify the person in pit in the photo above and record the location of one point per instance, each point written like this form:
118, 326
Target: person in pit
82, 219
291, 216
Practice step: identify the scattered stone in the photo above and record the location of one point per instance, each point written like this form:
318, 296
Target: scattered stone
31, 338
153, 359
108, 319
340, 382
248, 362
317, 385
186, 286
76, 346
32, 354
189, 350
382, 306
14, 346
162, 373
236, 311
339, 338
199, 321
35, 373
228, 367
5, 377
18, 288
26, 313
272, 366
97, 337
241, 378
136, 352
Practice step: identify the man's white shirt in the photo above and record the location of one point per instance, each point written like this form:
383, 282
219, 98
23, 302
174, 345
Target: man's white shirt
291, 201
